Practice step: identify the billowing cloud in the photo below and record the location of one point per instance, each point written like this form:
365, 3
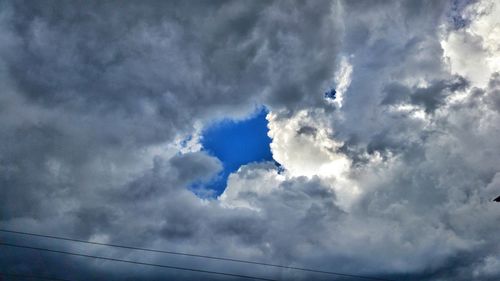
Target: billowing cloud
472, 51
103, 105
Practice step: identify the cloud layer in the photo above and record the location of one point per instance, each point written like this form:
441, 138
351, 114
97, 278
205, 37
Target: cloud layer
393, 179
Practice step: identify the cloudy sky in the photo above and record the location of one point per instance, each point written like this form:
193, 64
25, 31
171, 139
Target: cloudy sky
203, 127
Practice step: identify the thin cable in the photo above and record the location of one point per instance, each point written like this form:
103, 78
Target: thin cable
139, 263
32, 277
199, 256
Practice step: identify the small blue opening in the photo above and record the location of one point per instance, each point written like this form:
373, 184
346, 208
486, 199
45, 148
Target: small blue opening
236, 143
331, 94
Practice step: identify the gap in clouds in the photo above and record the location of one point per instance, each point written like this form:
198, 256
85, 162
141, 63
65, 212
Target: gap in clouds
235, 143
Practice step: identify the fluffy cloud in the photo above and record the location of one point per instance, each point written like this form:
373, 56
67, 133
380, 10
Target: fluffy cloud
392, 179
473, 51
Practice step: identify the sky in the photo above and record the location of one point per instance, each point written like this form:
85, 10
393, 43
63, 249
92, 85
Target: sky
235, 143
208, 127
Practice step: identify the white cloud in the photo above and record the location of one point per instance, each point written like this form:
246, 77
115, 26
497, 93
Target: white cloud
304, 145
473, 51
342, 79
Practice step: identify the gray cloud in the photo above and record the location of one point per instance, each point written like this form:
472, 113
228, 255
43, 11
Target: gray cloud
95, 96
430, 97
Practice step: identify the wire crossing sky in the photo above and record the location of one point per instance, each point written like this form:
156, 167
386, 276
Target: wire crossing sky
36, 277
138, 262
194, 255
349, 136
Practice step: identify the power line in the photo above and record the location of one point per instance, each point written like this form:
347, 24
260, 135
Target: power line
199, 256
139, 263
32, 277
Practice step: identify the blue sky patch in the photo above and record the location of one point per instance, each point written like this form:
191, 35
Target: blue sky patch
331, 94
236, 143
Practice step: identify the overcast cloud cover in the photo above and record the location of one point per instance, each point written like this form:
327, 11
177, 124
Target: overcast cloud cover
392, 179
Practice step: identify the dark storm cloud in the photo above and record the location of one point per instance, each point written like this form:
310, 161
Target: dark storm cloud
90, 81
172, 55
430, 97
395, 94
90, 87
95, 96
